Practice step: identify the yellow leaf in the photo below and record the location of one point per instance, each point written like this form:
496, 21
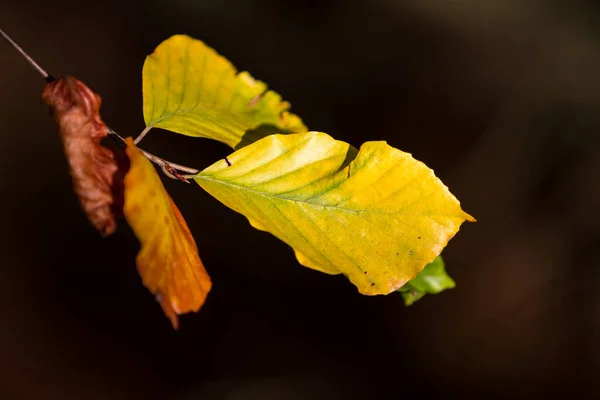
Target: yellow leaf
190, 89
168, 260
378, 219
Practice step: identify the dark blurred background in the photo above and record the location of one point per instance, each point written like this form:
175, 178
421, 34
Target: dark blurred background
500, 98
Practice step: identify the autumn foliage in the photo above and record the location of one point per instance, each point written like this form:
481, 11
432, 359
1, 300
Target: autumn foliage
168, 260
373, 214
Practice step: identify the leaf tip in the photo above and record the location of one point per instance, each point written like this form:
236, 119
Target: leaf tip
169, 311
469, 218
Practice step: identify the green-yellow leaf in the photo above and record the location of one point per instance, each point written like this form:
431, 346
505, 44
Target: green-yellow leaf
432, 280
190, 89
379, 219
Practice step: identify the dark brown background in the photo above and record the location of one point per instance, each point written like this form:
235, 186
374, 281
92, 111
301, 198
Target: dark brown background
501, 98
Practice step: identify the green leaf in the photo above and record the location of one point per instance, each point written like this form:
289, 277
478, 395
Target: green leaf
377, 216
432, 279
190, 89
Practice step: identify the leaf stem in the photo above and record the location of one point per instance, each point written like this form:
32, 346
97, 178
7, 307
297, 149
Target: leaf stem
141, 135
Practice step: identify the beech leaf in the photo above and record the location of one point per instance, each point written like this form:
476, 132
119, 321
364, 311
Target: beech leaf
96, 174
168, 261
188, 88
377, 216
432, 280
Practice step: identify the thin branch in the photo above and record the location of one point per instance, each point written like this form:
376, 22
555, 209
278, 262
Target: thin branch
170, 169
141, 135
49, 78
162, 162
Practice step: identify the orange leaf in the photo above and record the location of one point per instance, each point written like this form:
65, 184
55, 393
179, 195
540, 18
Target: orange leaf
168, 260
93, 167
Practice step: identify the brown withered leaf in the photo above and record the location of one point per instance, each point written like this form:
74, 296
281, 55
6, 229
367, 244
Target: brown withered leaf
97, 176
168, 261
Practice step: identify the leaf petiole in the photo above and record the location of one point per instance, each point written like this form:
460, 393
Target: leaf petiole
141, 135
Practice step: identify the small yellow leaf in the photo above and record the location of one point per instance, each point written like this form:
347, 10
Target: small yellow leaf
379, 219
190, 89
168, 261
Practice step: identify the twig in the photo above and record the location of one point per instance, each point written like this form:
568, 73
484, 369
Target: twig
49, 78
162, 162
170, 169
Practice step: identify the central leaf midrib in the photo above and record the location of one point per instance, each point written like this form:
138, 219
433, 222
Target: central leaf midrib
270, 195
247, 191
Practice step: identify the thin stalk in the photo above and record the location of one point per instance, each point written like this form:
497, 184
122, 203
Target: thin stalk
169, 168
162, 162
49, 78
141, 135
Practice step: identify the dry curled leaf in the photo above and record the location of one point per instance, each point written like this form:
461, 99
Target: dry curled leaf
168, 261
93, 167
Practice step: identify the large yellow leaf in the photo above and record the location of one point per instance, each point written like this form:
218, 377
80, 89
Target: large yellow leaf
378, 219
190, 89
168, 260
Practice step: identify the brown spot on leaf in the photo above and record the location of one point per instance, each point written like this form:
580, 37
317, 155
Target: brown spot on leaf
254, 101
